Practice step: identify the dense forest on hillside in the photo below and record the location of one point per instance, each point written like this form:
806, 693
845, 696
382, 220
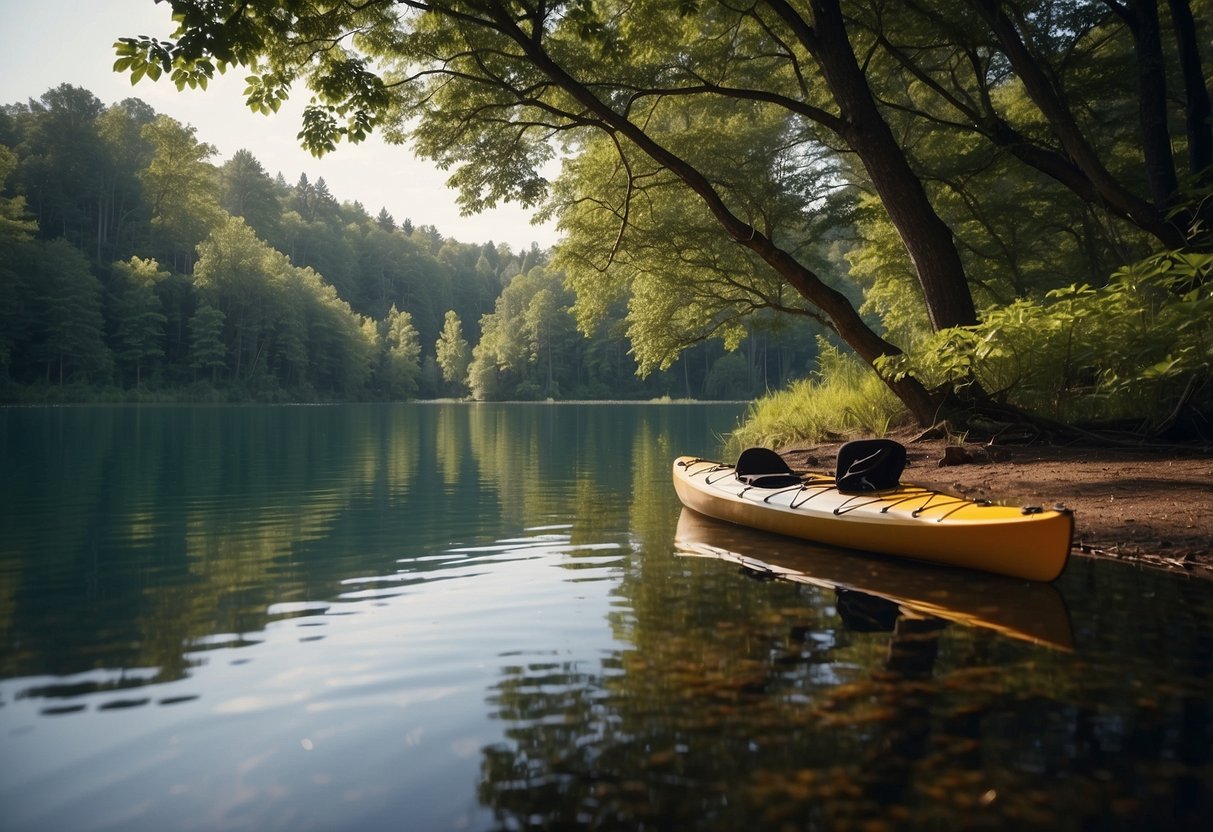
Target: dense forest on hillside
134, 264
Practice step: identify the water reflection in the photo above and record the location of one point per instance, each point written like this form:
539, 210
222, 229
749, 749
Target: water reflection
130, 534
480, 617
793, 707
781, 704
1029, 610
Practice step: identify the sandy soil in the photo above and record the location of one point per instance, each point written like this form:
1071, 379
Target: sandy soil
1151, 505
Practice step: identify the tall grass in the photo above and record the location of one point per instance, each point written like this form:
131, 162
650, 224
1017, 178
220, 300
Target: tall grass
842, 399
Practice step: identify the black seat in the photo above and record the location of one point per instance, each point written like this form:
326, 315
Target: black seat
763, 468
866, 465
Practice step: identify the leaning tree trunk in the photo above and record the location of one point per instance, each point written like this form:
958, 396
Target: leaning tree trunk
869, 346
923, 405
926, 237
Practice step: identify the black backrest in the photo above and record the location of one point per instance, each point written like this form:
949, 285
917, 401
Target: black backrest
870, 465
763, 468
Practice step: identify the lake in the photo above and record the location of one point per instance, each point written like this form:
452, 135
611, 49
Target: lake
496, 617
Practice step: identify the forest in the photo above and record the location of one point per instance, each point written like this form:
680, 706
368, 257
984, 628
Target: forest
134, 265
992, 210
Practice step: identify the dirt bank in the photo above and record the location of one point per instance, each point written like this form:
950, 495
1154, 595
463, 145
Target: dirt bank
1149, 504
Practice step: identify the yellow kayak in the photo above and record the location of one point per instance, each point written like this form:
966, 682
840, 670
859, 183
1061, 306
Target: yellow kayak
1027, 610
905, 520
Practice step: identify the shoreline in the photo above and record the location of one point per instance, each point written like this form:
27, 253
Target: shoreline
1149, 506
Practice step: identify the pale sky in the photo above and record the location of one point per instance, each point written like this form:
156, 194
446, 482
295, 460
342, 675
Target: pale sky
44, 43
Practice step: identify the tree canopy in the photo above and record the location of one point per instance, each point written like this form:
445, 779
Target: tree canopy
929, 114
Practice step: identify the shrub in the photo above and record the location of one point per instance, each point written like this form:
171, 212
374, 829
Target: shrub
1134, 349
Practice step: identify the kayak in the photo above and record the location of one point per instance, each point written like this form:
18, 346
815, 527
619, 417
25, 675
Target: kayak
903, 520
1027, 610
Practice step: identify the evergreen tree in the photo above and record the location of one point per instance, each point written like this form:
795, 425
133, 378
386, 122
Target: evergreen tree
207, 351
140, 333
68, 323
248, 192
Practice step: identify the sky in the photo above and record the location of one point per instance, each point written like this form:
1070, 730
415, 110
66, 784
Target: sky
44, 43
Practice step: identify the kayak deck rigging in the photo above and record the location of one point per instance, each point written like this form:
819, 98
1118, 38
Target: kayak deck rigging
818, 484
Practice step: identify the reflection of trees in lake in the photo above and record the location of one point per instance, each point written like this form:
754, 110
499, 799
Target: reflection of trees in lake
175, 524
162, 532
746, 704
724, 701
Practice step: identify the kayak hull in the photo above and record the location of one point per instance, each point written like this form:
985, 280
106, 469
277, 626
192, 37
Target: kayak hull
908, 521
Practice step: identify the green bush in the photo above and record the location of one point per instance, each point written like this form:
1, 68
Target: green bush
1133, 349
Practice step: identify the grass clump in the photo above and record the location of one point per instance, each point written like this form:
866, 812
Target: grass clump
843, 398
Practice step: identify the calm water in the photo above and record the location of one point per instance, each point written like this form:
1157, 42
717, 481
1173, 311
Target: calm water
429, 617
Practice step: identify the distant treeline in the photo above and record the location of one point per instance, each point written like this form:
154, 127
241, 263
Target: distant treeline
133, 266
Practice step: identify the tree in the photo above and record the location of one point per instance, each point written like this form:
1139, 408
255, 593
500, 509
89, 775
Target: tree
485, 370
248, 192
121, 212
385, 220
682, 281
544, 321
467, 56
16, 231
140, 314
63, 179
729, 378
206, 341
232, 274
452, 352
15, 222
65, 306
1013, 32
181, 189
520, 340
401, 362
493, 82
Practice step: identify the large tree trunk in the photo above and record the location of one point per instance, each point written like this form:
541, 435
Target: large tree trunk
868, 345
926, 237
1198, 110
1198, 115
1141, 17
923, 405
1049, 100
